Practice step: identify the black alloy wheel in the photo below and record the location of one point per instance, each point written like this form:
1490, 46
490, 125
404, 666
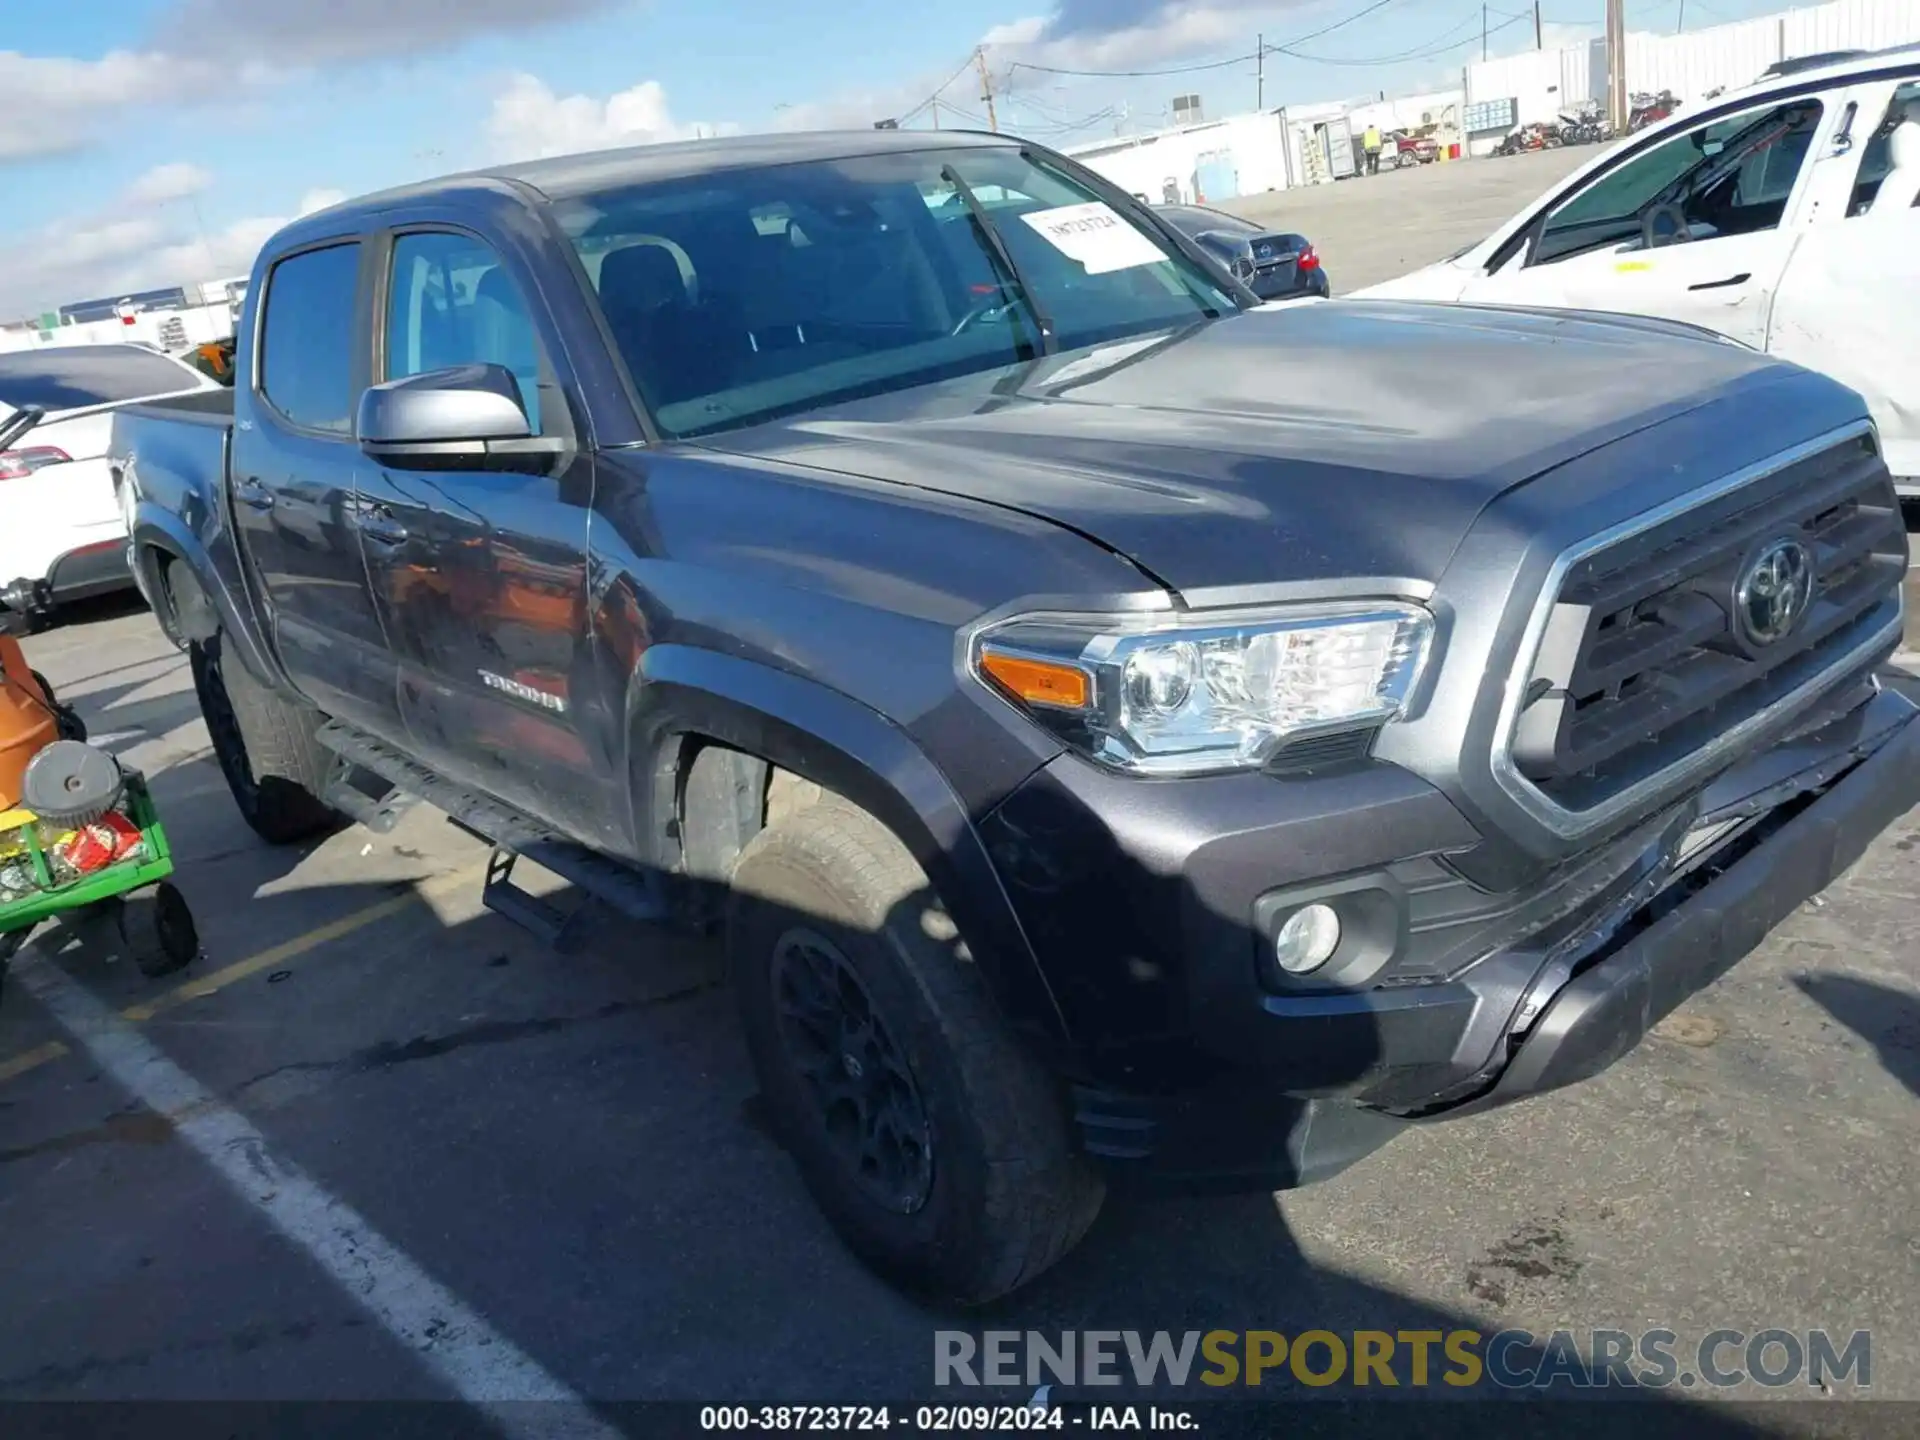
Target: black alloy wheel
867, 1099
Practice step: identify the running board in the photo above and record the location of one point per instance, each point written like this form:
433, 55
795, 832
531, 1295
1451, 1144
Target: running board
635, 894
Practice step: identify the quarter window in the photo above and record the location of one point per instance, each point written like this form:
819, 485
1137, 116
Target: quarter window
306, 337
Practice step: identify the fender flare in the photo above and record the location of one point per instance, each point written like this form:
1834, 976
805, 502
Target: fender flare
682, 693
192, 600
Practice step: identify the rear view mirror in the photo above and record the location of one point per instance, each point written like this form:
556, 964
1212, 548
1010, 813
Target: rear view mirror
462, 416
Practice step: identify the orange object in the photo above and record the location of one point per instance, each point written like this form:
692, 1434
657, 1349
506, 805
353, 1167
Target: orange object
27, 723
1038, 682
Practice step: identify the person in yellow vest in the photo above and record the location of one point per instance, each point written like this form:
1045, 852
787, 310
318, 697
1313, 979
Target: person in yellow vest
1371, 144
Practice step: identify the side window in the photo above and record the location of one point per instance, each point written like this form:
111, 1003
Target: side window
306, 337
1877, 155
1732, 177
452, 303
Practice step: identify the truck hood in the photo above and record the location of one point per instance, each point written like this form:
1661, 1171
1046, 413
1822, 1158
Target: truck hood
1303, 442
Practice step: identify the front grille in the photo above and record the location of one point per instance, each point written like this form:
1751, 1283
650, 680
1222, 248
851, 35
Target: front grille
1642, 661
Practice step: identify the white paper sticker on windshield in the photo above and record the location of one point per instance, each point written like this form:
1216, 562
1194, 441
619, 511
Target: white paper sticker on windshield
1095, 236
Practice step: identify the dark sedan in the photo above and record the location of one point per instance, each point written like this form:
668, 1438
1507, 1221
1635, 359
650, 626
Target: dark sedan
1274, 264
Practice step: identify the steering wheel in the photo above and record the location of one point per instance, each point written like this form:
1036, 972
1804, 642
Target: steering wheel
996, 304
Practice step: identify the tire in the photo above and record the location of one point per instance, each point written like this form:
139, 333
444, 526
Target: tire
986, 1189
157, 931
274, 766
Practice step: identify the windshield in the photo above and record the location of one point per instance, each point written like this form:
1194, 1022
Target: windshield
73, 377
752, 293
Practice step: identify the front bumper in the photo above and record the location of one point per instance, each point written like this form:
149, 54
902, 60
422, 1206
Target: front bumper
1601, 1014
1190, 1068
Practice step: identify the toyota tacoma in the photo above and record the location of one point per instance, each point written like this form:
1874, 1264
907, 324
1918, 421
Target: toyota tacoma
1114, 744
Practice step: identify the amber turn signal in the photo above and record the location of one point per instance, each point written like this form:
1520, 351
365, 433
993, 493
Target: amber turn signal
1038, 682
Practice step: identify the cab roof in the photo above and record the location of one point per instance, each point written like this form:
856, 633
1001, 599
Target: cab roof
565, 176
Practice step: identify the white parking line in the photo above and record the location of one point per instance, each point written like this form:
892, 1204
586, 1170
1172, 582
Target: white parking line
479, 1364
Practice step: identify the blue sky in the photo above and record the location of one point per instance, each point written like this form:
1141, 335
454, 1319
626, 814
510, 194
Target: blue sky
159, 141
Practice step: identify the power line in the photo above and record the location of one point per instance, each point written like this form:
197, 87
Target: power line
1289, 49
1415, 53
1425, 52
1132, 74
1337, 25
934, 99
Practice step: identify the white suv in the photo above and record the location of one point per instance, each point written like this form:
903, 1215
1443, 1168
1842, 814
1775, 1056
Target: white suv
1781, 215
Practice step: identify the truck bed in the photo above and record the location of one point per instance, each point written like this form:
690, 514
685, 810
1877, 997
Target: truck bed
198, 407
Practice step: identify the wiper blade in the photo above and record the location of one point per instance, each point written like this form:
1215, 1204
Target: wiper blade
1003, 258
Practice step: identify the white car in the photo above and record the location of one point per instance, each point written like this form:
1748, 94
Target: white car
1781, 215
62, 536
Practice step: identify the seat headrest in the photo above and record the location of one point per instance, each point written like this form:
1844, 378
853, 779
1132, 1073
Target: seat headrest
641, 277
495, 287
1903, 145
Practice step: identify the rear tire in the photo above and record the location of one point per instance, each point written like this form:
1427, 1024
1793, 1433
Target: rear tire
937, 1147
274, 766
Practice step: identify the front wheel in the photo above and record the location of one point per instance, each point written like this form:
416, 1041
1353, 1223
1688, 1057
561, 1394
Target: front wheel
938, 1148
266, 747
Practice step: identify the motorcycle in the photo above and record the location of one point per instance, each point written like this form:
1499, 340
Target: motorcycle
1649, 109
1536, 135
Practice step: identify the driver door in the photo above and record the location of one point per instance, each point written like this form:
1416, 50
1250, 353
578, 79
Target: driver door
1721, 202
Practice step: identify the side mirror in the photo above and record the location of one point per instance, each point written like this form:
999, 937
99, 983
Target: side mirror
459, 417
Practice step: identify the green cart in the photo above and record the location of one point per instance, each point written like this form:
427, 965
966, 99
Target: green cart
156, 932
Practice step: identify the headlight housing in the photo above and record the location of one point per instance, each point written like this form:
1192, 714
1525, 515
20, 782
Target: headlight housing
1203, 692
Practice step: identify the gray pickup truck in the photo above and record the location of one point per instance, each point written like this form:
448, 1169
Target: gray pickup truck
1115, 741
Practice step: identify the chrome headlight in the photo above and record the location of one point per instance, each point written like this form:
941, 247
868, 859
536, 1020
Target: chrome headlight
1196, 693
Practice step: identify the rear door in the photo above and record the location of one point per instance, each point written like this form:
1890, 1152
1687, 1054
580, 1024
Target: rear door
293, 479
480, 574
1849, 303
1724, 198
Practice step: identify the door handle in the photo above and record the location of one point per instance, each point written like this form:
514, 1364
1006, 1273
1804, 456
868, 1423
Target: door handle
1742, 278
253, 495
381, 528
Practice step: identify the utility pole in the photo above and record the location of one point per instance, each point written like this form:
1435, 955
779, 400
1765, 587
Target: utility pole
1260, 72
1483, 32
1681, 24
1536, 22
1617, 65
986, 88
935, 106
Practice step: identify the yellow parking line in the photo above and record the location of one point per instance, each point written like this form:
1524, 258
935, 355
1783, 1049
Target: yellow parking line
31, 1059
218, 980
201, 986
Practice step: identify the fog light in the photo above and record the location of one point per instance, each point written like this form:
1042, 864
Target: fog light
1308, 939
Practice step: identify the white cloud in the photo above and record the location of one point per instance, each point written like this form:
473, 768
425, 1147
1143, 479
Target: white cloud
52, 104
529, 121
319, 200
296, 33
141, 244
168, 182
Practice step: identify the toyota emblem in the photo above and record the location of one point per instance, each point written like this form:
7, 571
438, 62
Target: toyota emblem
1773, 592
